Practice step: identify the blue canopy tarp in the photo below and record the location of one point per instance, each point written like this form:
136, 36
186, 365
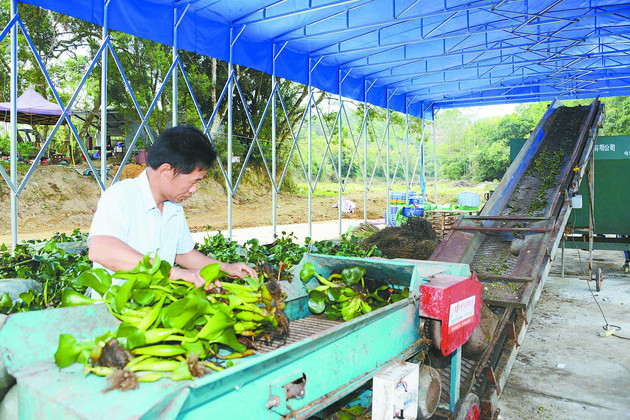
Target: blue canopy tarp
422, 55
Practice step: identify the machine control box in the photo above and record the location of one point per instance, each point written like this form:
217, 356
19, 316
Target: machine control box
454, 300
395, 392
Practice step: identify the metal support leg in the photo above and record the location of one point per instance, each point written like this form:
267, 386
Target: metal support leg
365, 140
388, 189
340, 150
13, 128
406, 151
562, 259
310, 151
435, 162
104, 100
274, 184
229, 142
591, 215
174, 81
423, 187
456, 364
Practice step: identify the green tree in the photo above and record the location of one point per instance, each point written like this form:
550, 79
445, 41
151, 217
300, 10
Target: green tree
490, 162
617, 122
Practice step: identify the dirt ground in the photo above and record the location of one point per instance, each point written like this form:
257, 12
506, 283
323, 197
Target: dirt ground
60, 199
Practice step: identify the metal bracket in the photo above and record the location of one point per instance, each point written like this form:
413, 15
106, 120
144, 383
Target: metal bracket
511, 330
492, 378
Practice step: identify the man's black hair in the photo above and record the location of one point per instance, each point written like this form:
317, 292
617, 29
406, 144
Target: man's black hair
185, 148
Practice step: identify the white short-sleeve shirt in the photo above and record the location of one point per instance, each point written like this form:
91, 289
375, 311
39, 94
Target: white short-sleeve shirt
127, 211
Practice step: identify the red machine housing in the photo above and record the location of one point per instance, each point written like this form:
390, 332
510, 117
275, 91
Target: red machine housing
454, 300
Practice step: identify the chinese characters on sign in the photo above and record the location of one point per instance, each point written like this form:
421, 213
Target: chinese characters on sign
606, 148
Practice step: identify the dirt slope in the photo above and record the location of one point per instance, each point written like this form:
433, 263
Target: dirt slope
59, 199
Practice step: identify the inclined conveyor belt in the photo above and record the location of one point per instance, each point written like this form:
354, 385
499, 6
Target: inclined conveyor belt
512, 241
554, 159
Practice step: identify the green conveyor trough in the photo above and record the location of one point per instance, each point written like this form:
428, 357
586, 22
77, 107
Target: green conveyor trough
335, 357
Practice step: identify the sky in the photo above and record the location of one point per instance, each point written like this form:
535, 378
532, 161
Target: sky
480, 112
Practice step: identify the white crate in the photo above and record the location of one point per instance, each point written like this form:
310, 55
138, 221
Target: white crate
469, 199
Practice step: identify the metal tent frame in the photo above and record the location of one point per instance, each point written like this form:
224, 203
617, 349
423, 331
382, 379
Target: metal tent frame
229, 95
404, 55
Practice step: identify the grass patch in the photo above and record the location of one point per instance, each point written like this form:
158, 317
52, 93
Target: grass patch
331, 189
447, 194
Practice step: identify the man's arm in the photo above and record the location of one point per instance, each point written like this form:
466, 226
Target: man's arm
112, 253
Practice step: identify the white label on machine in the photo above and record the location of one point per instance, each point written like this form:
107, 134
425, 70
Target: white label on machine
395, 392
461, 310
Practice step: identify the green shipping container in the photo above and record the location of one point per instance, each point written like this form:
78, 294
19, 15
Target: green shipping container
612, 186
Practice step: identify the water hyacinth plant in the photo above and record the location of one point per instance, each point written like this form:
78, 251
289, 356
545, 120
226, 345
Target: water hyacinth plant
345, 296
169, 328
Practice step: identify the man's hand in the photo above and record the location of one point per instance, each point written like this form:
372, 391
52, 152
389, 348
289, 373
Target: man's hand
238, 270
192, 276
195, 261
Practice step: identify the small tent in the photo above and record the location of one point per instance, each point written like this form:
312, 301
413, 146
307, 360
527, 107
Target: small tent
32, 109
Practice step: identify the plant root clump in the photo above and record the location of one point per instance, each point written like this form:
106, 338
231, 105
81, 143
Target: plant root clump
416, 239
122, 379
197, 369
364, 231
114, 355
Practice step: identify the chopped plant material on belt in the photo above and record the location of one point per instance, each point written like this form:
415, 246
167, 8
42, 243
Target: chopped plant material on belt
170, 328
345, 295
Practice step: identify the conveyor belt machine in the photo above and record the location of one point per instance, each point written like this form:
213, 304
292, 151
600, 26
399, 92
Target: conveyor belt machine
321, 361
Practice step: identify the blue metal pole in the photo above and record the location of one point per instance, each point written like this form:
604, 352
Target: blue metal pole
13, 128
104, 100
456, 363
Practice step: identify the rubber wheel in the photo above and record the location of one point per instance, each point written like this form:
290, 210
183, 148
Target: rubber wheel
626, 267
599, 278
468, 408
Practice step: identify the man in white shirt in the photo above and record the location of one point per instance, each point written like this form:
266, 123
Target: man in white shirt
144, 215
